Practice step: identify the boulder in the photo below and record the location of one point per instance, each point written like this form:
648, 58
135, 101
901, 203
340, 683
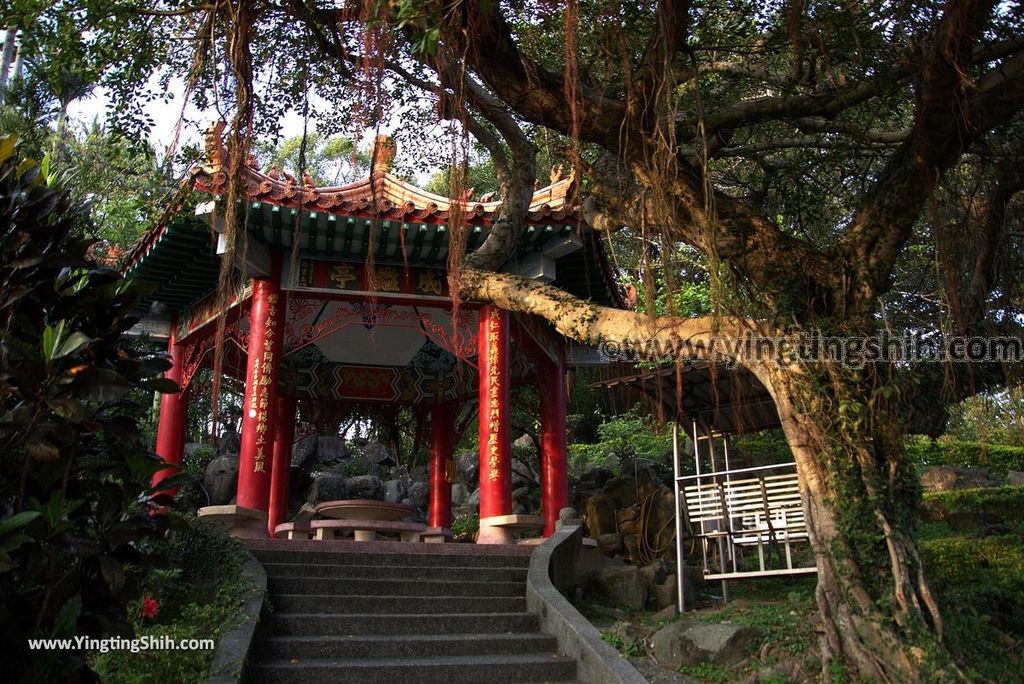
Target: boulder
221, 480
1015, 478
419, 473
693, 643
469, 467
945, 478
622, 491
304, 453
459, 494
395, 490
663, 594
327, 486
474, 499
628, 520
377, 453
229, 443
610, 544
330, 449
419, 495
599, 515
622, 585
364, 487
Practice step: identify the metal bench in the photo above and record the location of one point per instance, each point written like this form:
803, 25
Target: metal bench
760, 511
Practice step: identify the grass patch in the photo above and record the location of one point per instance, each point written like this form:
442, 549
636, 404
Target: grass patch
707, 673
784, 619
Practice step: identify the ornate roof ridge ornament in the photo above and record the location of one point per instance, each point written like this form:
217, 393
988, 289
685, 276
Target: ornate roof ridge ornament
381, 194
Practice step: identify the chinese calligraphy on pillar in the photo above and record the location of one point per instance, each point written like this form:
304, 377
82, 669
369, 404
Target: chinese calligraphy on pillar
262, 377
494, 398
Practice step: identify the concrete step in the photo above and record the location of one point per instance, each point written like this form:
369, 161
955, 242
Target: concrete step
420, 572
316, 625
389, 554
318, 603
413, 646
466, 586
441, 669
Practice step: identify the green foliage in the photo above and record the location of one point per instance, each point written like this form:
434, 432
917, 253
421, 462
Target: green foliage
783, 621
482, 179
200, 594
707, 673
989, 418
464, 528
630, 435
76, 467
761, 448
979, 584
1005, 502
330, 161
999, 458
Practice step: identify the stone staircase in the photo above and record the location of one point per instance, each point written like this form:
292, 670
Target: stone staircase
393, 612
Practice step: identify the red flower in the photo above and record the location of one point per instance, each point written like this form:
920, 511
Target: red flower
150, 607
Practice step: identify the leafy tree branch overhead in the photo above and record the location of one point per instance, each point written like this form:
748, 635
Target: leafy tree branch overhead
835, 165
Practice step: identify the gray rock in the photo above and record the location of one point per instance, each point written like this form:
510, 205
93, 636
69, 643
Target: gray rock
375, 452
666, 594
221, 480
693, 643
459, 494
945, 478
327, 486
474, 499
525, 443
419, 495
1015, 478
364, 487
330, 449
609, 543
395, 491
666, 613
469, 467
419, 473
303, 453
400, 473
622, 584
229, 443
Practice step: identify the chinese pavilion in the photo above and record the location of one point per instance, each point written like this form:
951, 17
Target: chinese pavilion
315, 323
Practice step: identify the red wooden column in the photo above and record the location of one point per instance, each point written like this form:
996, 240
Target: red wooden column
495, 445
170, 431
554, 475
266, 322
281, 463
442, 438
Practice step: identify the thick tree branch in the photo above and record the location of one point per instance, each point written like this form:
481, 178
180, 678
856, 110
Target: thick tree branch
947, 120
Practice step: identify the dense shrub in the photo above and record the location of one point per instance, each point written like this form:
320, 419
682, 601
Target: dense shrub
998, 458
74, 465
1005, 502
980, 587
200, 592
630, 435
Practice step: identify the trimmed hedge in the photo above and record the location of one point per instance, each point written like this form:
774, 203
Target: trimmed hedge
996, 457
1005, 502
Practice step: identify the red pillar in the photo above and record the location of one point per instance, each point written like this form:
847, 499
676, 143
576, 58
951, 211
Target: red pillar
266, 322
495, 398
554, 476
170, 431
442, 437
281, 463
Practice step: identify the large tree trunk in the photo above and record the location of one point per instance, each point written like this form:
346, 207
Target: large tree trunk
860, 493
860, 496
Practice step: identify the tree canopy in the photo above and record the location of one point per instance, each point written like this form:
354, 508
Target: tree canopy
846, 167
